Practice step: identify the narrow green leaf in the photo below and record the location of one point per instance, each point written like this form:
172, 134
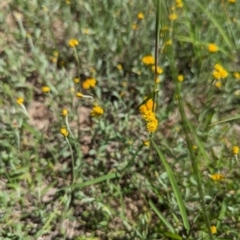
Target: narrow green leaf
174, 187
226, 120
172, 235
163, 219
103, 178
198, 141
222, 213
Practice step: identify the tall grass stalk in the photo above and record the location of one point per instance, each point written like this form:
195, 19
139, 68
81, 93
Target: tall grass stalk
187, 129
159, 14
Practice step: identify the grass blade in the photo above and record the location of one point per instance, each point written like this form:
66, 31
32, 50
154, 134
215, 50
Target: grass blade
215, 23
174, 187
163, 219
226, 120
98, 180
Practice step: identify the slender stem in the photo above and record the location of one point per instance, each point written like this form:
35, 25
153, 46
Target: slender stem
157, 40
78, 64
68, 127
194, 162
73, 163
157, 28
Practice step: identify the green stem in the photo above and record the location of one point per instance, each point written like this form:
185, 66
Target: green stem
73, 163
68, 127
194, 163
78, 64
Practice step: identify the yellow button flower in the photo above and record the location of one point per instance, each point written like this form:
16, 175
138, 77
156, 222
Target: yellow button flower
194, 147
152, 125
212, 47
73, 42
217, 177
180, 78
218, 84
159, 70
148, 60
76, 80
149, 116
172, 16
235, 150
237, 75
119, 67
64, 131
20, 100
89, 83
213, 229
97, 111
219, 72
179, 4
46, 89
64, 112
140, 16
143, 109
134, 26
79, 95
146, 143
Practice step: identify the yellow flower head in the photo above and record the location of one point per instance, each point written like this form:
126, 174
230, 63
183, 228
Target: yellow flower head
79, 95
237, 75
148, 60
64, 112
218, 84
168, 42
149, 116
140, 16
89, 83
46, 89
159, 70
53, 59
73, 42
152, 125
194, 147
119, 66
76, 80
64, 131
180, 78
231, 1
213, 230
219, 72
235, 150
217, 177
212, 47
147, 106
97, 111
172, 16
179, 4
143, 109
55, 53
134, 26
146, 143
20, 100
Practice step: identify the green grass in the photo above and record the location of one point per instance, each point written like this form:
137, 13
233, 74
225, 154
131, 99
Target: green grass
101, 181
